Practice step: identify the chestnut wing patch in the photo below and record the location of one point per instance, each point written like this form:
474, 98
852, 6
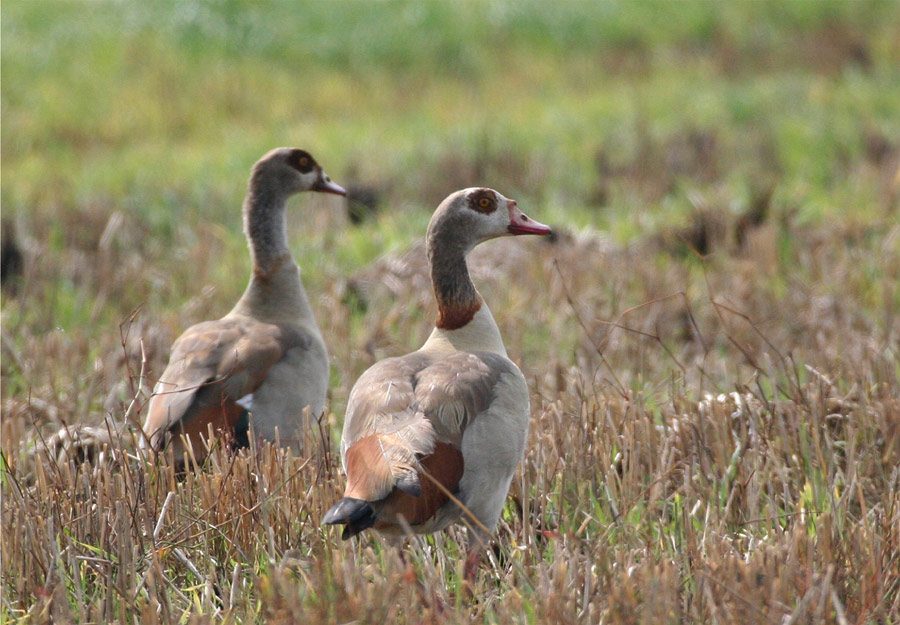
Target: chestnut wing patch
443, 466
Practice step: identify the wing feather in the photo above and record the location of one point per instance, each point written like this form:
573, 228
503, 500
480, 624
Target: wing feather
214, 364
401, 413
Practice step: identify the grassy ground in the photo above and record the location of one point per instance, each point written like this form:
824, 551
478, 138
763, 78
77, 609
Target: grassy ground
711, 341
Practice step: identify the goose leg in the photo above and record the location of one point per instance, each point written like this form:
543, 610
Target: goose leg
473, 559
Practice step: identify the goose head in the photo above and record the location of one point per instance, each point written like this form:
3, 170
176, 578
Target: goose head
287, 171
470, 216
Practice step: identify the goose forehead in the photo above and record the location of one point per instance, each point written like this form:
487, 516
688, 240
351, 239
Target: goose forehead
276, 153
459, 202
280, 155
465, 193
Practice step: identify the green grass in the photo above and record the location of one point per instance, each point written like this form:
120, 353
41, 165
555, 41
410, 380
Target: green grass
638, 130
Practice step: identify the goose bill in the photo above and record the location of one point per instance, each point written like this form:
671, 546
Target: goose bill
520, 223
327, 186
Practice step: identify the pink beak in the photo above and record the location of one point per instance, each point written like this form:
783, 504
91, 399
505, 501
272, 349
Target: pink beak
325, 185
520, 223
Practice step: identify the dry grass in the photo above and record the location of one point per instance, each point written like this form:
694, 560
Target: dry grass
713, 440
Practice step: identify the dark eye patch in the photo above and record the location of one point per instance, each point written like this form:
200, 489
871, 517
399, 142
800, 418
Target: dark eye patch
483, 201
301, 160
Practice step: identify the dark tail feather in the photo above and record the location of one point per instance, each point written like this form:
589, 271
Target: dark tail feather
355, 514
241, 432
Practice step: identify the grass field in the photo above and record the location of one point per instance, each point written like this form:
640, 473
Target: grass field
712, 340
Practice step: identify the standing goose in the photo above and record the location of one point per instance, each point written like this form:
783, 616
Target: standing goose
451, 417
266, 355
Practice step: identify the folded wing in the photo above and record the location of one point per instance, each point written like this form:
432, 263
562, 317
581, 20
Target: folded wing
213, 366
402, 442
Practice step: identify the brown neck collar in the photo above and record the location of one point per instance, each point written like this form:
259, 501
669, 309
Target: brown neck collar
455, 315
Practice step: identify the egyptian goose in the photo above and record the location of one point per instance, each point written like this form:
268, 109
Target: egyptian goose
450, 418
266, 355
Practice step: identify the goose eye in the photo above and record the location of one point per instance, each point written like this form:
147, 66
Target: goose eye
483, 201
301, 161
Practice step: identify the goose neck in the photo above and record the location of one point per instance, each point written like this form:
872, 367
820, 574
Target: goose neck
266, 229
457, 298
275, 292
464, 321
